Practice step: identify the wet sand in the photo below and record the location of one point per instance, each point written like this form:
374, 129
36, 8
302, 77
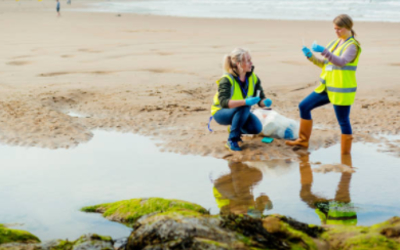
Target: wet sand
156, 76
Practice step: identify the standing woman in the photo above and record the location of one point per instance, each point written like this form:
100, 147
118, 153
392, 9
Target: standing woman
338, 83
237, 92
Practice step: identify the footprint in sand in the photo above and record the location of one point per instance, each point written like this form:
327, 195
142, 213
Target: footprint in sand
294, 63
19, 57
97, 72
166, 71
165, 53
394, 64
89, 50
18, 63
67, 56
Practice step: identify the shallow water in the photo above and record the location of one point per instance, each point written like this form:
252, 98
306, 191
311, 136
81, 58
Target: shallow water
43, 189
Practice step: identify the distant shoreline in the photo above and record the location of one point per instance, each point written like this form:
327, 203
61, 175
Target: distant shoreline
194, 11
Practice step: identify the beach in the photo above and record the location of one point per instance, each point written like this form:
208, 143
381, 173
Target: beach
155, 75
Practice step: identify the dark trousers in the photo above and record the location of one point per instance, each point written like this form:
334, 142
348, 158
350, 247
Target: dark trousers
242, 121
315, 100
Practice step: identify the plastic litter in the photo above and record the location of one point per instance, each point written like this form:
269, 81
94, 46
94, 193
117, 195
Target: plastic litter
276, 125
267, 140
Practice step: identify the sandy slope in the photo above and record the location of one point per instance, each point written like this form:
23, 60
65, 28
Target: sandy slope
156, 76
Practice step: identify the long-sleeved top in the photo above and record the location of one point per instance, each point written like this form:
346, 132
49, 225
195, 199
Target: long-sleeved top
224, 90
348, 56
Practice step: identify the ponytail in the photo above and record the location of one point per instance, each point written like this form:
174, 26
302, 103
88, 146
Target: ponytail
353, 33
232, 61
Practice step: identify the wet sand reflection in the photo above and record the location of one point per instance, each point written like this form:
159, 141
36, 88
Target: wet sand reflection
234, 192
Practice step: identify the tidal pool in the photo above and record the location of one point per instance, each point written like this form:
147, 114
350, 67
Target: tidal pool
42, 190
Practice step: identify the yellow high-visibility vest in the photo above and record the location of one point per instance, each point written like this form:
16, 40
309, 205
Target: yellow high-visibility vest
340, 82
236, 91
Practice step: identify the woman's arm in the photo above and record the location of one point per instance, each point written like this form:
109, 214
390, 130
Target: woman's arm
234, 104
348, 56
224, 95
316, 61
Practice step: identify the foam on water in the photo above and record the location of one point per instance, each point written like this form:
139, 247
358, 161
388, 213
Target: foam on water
360, 10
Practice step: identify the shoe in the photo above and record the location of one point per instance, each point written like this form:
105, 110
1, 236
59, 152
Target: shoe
229, 130
232, 146
346, 142
304, 134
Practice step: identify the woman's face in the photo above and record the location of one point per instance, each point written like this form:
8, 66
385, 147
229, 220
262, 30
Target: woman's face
341, 32
246, 64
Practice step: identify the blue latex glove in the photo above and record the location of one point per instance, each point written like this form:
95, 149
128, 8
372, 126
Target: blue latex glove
317, 48
267, 102
252, 100
306, 52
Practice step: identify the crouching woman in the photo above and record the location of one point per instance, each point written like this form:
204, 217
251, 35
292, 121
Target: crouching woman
238, 89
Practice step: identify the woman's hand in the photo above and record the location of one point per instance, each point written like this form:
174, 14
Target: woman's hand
317, 48
307, 52
267, 102
252, 100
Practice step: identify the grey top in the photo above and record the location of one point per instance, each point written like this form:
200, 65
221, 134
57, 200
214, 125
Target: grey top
349, 55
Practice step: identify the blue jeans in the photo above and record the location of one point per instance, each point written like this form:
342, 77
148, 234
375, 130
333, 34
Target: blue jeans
242, 121
315, 100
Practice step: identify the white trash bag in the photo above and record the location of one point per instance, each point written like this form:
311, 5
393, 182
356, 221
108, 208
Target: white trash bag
276, 125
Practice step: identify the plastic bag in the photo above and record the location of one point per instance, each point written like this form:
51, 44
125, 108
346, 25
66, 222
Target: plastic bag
276, 125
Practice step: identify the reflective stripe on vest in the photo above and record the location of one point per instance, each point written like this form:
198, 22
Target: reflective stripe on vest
352, 68
322, 80
341, 90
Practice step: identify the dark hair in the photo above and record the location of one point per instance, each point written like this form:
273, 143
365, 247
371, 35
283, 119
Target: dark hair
345, 21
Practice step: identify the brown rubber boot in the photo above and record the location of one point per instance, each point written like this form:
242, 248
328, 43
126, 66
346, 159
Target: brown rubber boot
304, 134
346, 141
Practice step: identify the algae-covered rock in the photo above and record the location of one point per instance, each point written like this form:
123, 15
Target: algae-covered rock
8, 235
129, 211
380, 236
93, 242
85, 242
176, 231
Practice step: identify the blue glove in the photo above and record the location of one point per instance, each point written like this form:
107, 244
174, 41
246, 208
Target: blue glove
317, 48
252, 100
306, 52
267, 102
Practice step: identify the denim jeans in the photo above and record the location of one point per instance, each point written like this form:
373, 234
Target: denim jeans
315, 100
242, 121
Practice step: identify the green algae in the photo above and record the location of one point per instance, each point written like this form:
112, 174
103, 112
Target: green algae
129, 211
63, 245
360, 237
8, 235
213, 243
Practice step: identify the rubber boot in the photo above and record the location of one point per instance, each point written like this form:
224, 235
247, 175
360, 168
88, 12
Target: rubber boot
304, 134
343, 191
345, 142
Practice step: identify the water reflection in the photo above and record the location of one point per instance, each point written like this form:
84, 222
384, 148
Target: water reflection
339, 210
233, 192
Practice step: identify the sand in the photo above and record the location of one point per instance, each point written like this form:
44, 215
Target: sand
156, 75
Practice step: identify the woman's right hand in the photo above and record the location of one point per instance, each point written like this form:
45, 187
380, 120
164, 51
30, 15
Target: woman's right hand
252, 100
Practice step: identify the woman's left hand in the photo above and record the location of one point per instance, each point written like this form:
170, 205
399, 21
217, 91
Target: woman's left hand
267, 102
317, 48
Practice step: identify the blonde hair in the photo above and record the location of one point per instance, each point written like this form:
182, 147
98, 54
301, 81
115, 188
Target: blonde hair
345, 21
231, 62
